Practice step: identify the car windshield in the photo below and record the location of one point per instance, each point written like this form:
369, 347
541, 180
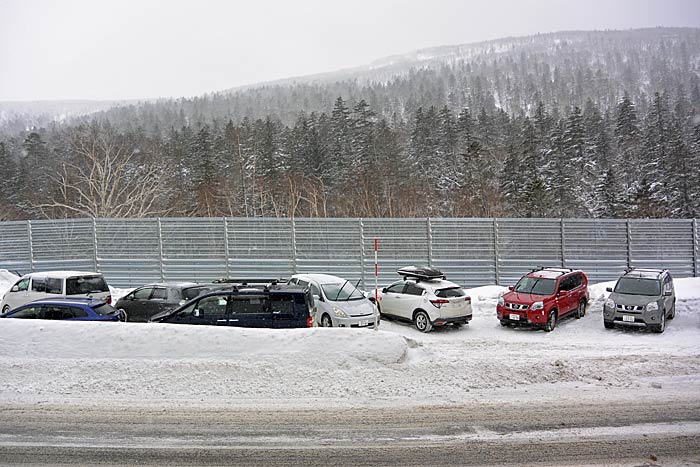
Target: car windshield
450, 292
104, 309
638, 286
341, 291
536, 286
85, 284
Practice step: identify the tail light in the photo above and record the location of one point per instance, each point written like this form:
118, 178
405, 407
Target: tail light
309, 322
108, 300
439, 302
468, 299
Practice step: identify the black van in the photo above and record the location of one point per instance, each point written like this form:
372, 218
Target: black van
269, 306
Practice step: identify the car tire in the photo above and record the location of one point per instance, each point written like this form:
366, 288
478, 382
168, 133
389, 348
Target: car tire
551, 321
661, 327
608, 324
326, 321
672, 314
581, 311
421, 321
6, 308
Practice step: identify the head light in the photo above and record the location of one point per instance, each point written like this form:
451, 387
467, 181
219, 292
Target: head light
653, 306
340, 313
537, 306
610, 303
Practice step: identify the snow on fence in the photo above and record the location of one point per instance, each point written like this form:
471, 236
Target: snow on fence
472, 252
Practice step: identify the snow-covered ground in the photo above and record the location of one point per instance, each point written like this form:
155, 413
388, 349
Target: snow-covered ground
172, 365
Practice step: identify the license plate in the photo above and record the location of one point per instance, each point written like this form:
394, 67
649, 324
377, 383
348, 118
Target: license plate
514, 317
628, 318
364, 322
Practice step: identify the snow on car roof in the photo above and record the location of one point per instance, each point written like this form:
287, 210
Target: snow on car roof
62, 274
549, 273
320, 278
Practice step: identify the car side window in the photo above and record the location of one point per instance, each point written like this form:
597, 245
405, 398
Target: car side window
54, 285
566, 283
76, 312
39, 284
412, 289
396, 288
250, 304
143, 294
30, 312
22, 285
315, 290
159, 293
577, 280
212, 306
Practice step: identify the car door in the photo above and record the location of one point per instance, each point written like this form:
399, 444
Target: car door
211, 310
392, 299
17, 295
250, 311
157, 302
412, 299
565, 301
667, 290
284, 312
136, 304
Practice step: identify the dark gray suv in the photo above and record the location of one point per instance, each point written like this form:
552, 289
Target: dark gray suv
642, 298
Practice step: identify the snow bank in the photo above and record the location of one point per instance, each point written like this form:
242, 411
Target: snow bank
95, 340
7, 279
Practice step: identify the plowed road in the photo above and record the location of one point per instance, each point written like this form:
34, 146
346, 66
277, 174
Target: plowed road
660, 433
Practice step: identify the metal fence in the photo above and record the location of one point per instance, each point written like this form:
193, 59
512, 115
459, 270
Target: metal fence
470, 251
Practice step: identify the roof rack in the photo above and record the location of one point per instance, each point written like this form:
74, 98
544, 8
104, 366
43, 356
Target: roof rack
235, 281
554, 268
424, 273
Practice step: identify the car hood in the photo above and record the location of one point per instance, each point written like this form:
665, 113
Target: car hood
354, 307
518, 297
639, 300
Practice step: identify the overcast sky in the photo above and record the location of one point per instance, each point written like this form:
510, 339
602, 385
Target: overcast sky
119, 49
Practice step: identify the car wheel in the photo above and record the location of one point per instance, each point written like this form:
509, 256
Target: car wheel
6, 308
661, 327
551, 321
581, 312
608, 324
422, 322
326, 321
672, 314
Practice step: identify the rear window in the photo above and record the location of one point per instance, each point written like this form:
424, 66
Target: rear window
85, 284
104, 309
450, 292
192, 292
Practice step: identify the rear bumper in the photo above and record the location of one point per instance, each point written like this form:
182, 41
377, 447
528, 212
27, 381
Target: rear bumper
454, 320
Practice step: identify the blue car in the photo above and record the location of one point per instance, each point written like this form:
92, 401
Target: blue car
72, 309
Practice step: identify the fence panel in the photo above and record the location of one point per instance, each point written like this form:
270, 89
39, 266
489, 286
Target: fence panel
663, 243
128, 251
524, 244
194, 249
464, 250
596, 246
402, 242
68, 244
260, 248
329, 246
15, 247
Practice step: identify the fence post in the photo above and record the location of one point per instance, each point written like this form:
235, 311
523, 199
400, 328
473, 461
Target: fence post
160, 250
94, 244
429, 227
226, 247
294, 246
31, 246
563, 243
629, 245
695, 248
361, 225
495, 250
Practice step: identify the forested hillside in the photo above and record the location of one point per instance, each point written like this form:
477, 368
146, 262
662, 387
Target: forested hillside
580, 124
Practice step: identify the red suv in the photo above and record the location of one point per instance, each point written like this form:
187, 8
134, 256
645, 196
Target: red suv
543, 296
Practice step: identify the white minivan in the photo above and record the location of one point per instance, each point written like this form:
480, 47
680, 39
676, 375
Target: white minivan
55, 284
338, 302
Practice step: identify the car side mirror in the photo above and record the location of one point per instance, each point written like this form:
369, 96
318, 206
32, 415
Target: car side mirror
668, 293
14, 289
195, 313
608, 289
511, 288
318, 298
384, 290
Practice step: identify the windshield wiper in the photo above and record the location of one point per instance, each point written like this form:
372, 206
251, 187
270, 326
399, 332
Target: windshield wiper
340, 290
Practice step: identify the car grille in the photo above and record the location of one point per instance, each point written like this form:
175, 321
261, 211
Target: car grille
630, 307
516, 306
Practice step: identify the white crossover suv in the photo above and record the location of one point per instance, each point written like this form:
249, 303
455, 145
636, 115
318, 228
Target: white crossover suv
424, 297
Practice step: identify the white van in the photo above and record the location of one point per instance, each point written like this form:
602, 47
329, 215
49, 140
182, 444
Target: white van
338, 302
55, 284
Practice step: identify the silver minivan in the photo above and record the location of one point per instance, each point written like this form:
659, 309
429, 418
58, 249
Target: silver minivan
54, 284
338, 302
